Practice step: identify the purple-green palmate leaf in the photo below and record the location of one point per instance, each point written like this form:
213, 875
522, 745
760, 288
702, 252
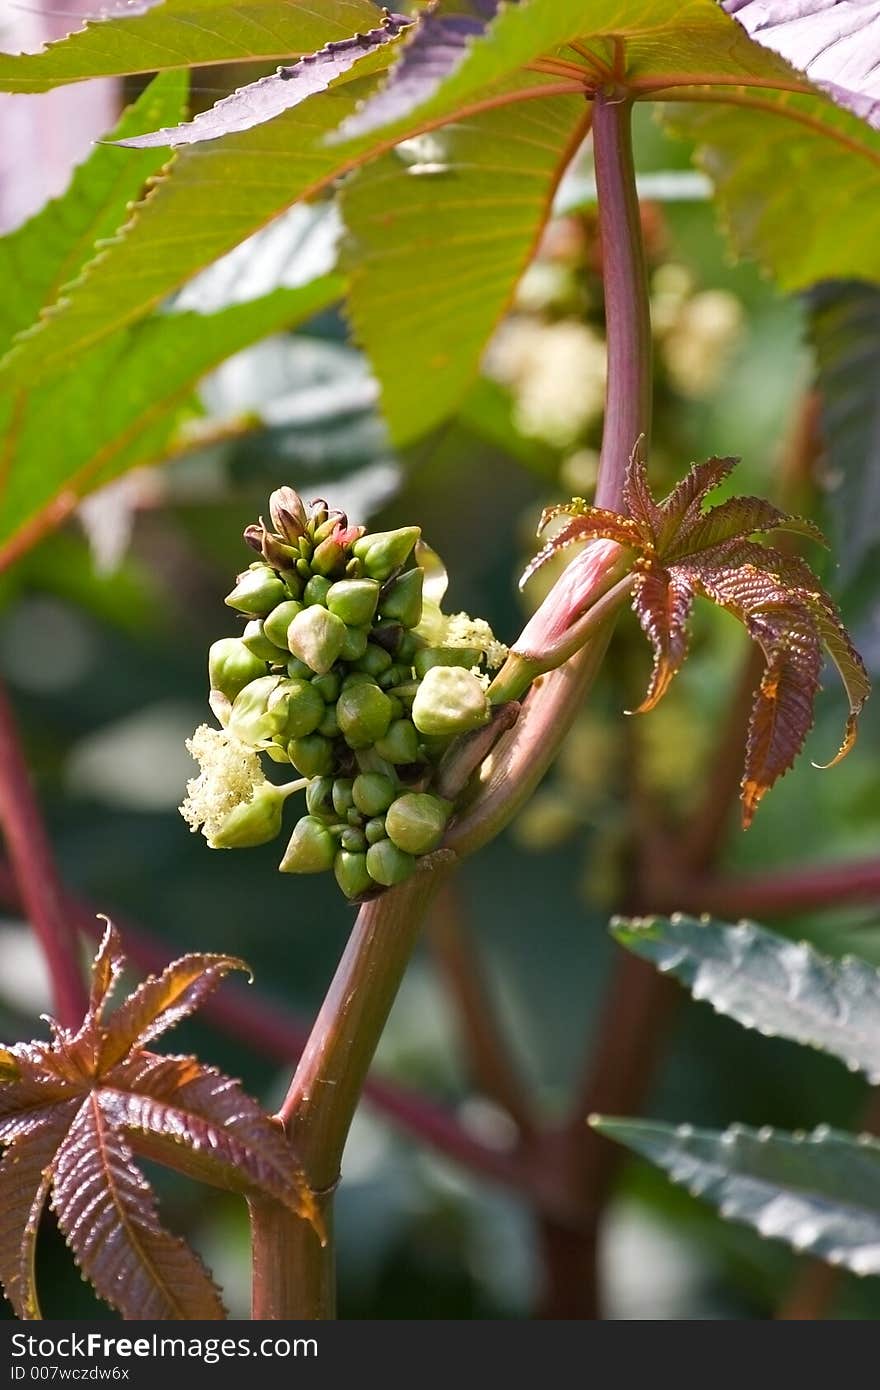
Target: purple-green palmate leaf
260, 101
681, 551
432, 51
835, 42
74, 1112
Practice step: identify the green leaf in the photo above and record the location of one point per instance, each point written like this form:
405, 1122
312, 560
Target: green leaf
465, 207
51, 249
217, 195
797, 182
186, 33
764, 981
123, 405
845, 328
694, 37
818, 1192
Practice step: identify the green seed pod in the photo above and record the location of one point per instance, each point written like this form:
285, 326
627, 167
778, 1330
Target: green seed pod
298, 670
400, 744
410, 643
416, 821
328, 687
449, 701
319, 799
429, 657
354, 678
257, 642
373, 792
279, 620
389, 865
385, 551
310, 850
329, 558
374, 661
257, 592
317, 638
375, 830
250, 720
396, 707
353, 839
403, 601
311, 755
388, 633
316, 591
352, 873
354, 600
342, 797
301, 705
405, 693
355, 643
231, 666
392, 676
303, 568
353, 817
364, 714
255, 822
329, 725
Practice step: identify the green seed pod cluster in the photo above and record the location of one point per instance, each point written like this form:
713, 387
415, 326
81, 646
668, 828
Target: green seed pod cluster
331, 676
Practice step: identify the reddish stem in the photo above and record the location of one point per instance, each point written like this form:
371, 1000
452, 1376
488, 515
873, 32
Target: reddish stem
272, 1031
33, 865
489, 1057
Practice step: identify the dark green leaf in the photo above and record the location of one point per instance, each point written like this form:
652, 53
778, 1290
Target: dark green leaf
818, 1192
764, 981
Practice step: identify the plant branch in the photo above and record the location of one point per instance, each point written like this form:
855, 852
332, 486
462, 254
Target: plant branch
33, 866
780, 893
270, 1030
489, 1057
293, 1271
629, 387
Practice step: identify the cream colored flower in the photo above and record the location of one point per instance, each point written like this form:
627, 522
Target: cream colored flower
461, 630
230, 776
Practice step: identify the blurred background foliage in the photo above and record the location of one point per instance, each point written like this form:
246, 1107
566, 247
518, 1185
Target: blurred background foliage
103, 634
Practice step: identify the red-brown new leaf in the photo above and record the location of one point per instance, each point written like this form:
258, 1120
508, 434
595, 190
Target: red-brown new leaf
682, 551
107, 1211
74, 1111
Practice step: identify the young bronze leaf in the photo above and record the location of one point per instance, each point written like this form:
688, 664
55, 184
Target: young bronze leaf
259, 101
738, 517
662, 603
228, 1139
850, 666
681, 551
106, 969
25, 1179
107, 1212
586, 524
637, 499
163, 1000
685, 502
74, 1109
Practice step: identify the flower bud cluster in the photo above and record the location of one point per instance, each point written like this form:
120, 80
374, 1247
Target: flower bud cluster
346, 670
